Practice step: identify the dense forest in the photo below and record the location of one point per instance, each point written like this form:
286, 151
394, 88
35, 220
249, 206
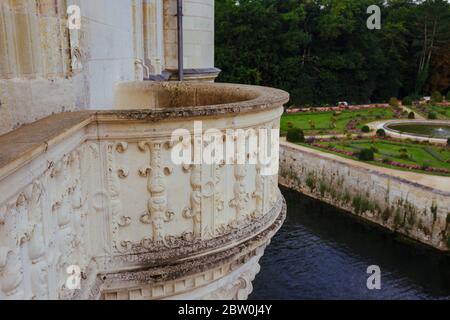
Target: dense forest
321, 51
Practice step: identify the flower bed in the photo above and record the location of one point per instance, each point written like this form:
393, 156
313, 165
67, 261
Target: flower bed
318, 143
340, 108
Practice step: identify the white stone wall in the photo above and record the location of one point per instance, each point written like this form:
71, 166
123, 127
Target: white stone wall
107, 198
46, 68
339, 183
198, 29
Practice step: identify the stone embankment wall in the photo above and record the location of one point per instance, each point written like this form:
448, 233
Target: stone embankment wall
404, 206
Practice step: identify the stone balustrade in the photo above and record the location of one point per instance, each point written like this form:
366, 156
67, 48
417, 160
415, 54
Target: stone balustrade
94, 197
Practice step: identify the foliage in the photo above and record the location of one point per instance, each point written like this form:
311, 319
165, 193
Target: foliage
365, 129
397, 154
295, 135
393, 102
407, 101
381, 133
436, 97
366, 155
322, 52
323, 121
411, 115
432, 115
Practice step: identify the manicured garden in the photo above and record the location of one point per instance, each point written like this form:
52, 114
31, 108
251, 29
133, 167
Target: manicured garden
332, 122
439, 112
411, 156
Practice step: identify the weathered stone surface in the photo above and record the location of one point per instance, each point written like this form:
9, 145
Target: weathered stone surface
46, 68
97, 192
411, 204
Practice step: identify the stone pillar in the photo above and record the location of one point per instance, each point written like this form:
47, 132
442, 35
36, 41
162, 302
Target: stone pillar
153, 24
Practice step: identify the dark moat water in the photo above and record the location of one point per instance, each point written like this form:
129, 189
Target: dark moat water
322, 253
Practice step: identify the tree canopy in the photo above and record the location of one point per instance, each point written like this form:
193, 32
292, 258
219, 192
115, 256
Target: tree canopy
321, 51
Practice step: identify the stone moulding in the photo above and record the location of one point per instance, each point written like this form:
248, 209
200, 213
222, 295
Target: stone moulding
198, 265
96, 192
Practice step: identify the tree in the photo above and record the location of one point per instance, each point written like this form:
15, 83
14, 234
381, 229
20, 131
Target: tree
322, 52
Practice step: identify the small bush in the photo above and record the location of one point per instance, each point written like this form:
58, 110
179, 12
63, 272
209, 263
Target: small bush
411, 115
366, 155
448, 142
393, 102
387, 213
386, 160
381, 133
425, 165
365, 129
404, 156
398, 221
407, 101
432, 115
436, 97
295, 135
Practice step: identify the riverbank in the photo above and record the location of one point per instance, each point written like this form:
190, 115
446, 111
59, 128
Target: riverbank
411, 204
324, 252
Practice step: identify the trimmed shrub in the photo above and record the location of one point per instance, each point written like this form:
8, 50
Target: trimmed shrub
432, 115
425, 165
436, 97
295, 135
393, 102
365, 129
366, 155
381, 133
411, 115
407, 101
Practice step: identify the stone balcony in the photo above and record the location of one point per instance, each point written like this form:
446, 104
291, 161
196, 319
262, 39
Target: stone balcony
93, 199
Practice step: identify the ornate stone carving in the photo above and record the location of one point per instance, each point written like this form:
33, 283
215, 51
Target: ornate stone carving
157, 207
124, 221
36, 244
241, 196
122, 147
194, 210
123, 173
85, 198
258, 194
11, 273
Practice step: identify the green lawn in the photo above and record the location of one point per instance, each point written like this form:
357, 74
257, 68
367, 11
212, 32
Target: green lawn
443, 113
416, 154
323, 120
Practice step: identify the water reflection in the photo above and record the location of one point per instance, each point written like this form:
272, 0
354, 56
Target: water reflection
429, 130
321, 253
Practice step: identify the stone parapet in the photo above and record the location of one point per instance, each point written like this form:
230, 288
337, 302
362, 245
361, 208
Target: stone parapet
94, 197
